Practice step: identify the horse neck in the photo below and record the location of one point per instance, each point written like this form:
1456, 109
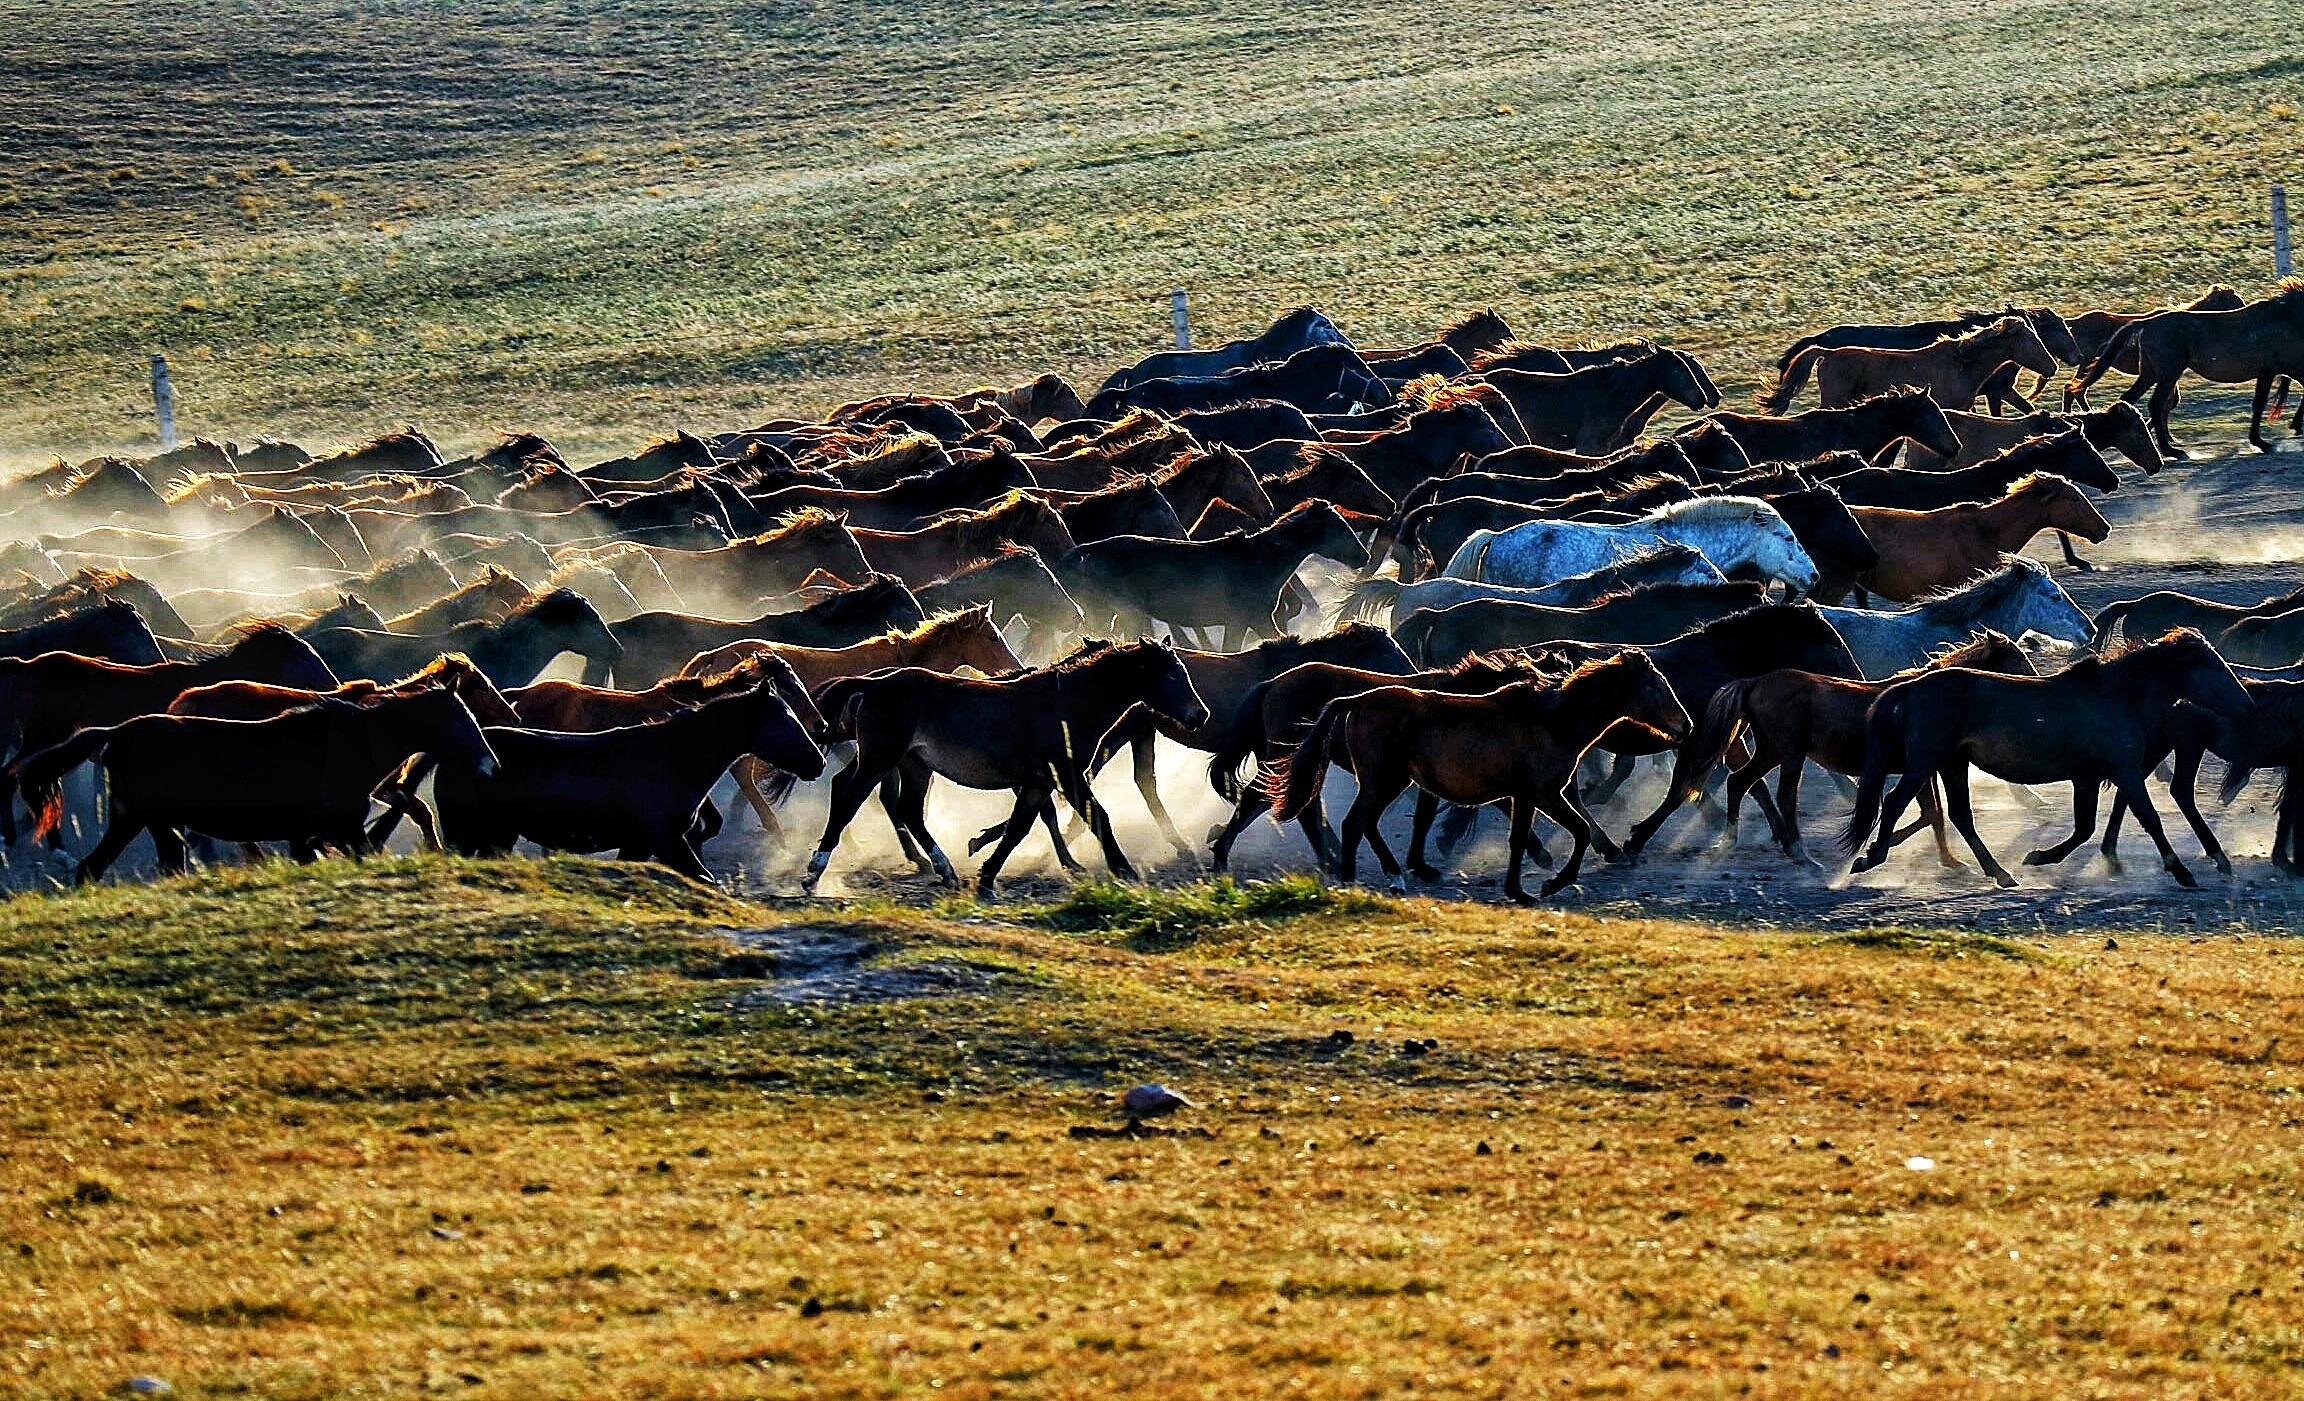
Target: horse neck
702, 742
517, 647
1589, 705
2028, 513
1091, 695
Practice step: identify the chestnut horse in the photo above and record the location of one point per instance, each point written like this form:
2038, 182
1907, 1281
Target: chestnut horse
1923, 551
1521, 744
1952, 370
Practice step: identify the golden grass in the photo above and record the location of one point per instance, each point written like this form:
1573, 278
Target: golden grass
512, 1129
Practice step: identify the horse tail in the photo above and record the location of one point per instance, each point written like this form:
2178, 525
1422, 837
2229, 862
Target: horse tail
1784, 361
2236, 777
2100, 632
836, 700
1370, 597
2097, 368
1238, 744
1297, 778
1880, 726
1775, 395
1709, 744
1415, 635
40, 776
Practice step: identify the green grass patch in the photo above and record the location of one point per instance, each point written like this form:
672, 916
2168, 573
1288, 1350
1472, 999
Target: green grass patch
1937, 943
1151, 919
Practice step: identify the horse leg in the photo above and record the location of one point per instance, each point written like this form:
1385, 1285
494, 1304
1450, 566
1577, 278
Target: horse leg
2072, 558
2182, 789
2083, 826
1788, 780
1143, 753
396, 792
748, 771
120, 828
1557, 807
1619, 770
1427, 808
1740, 782
1100, 823
892, 804
1377, 844
911, 814
1891, 808
1454, 827
1030, 804
1955, 779
2256, 414
2131, 787
849, 790
1932, 813
169, 850
2164, 401
1252, 805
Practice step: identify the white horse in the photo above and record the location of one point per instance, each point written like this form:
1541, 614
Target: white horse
2014, 599
1666, 566
1730, 531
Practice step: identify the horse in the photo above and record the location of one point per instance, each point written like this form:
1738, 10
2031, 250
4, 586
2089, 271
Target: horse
1329, 477
510, 650
1586, 410
659, 644
1665, 564
1923, 551
2092, 723
1834, 539
1195, 480
1233, 582
2092, 330
1123, 508
1698, 663
2261, 341
1296, 329
2166, 610
1792, 367
2119, 427
2017, 598
1467, 334
960, 538
1868, 428
774, 562
491, 593
1422, 445
2264, 640
655, 458
1953, 370
303, 777
906, 502
1730, 531
403, 450
1222, 680
1436, 531
1790, 717
2067, 454
2272, 736
109, 630
1024, 733
1521, 744
635, 789
88, 586
1306, 379
1015, 583
1642, 614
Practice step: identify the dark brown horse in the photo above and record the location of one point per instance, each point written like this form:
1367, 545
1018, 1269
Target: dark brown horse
2260, 341
1521, 744
1030, 733
762, 566
2157, 613
1585, 411
954, 541
2091, 724
2093, 330
1648, 613
303, 777
1232, 582
511, 650
658, 644
1868, 429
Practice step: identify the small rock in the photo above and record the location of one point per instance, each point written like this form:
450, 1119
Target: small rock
1340, 1038
814, 1308
1919, 1164
146, 1386
2111, 943
1739, 1102
1483, 1150
443, 1233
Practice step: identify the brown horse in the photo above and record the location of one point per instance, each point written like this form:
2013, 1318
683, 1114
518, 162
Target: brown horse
2260, 341
636, 789
1952, 371
1585, 411
303, 777
1331, 478
760, 566
1194, 480
1924, 551
46, 698
1521, 744
1125, 508
2120, 428
1789, 717
2093, 330
1868, 428
1027, 733
487, 597
961, 538
2095, 722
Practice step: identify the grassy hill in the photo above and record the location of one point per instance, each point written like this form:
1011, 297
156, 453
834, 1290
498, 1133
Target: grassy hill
541, 1128
604, 218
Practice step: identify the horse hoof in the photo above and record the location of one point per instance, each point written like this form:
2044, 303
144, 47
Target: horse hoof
2004, 880
1430, 875
2039, 858
2183, 877
1397, 886
1522, 897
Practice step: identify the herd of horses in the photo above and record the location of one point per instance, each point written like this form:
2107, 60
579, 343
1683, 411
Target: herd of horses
1469, 566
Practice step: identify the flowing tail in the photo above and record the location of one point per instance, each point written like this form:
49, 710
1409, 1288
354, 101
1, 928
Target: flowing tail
40, 776
1238, 744
1371, 598
1714, 733
1297, 779
1880, 728
836, 700
2102, 365
2100, 632
1776, 395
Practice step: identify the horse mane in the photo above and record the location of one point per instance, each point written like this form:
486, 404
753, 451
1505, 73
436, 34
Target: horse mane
952, 619
548, 603
1707, 509
1466, 320
1490, 359
1663, 588
2038, 482
1901, 393
261, 629
794, 523
1505, 661
407, 436
1975, 644
1963, 603
1090, 649
2286, 289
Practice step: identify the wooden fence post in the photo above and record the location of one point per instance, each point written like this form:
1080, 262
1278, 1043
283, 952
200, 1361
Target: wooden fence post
164, 402
1177, 307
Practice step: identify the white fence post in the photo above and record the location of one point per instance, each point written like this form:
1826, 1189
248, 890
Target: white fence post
1178, 308
164, 402
2280, 259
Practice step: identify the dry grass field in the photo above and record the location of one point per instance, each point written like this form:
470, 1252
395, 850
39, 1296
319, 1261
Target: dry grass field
541, 1129
602, 219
